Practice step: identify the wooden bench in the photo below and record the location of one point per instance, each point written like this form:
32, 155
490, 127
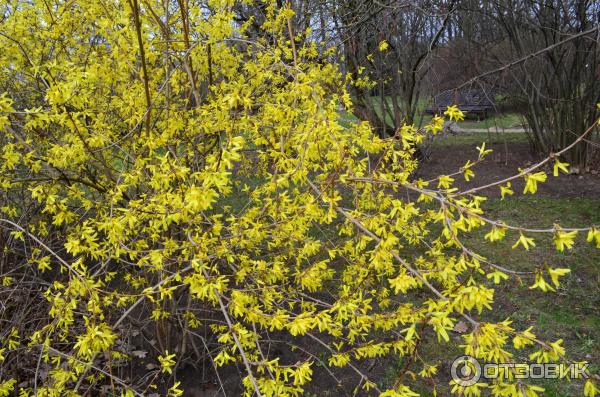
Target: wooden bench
476, 102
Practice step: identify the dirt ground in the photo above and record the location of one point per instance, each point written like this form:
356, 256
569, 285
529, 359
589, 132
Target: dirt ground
503, 163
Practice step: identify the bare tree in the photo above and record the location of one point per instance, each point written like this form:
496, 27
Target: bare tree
410, 31
543, 54
560, 88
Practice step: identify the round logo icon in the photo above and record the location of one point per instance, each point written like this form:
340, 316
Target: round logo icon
465, 371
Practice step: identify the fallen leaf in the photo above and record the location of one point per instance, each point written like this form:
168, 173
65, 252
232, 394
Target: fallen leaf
139, 353
461, 327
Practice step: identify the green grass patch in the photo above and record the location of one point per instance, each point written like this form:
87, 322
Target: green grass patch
571, 313
346, 119
495, 121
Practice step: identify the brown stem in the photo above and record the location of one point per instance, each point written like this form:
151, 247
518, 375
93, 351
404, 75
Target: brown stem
291, 33
138, 29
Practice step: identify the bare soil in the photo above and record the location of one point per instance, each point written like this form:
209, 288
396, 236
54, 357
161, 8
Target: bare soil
503, 163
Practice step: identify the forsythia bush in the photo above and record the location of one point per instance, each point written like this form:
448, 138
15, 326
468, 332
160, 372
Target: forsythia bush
167, 169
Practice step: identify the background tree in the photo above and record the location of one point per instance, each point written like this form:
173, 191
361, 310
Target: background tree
391, 44
558, 88
541, 56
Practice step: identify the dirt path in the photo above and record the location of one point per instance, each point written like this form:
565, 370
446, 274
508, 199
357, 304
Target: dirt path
493, 130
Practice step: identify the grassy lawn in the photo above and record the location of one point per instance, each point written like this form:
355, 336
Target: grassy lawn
495, 121
580, 295
571, 313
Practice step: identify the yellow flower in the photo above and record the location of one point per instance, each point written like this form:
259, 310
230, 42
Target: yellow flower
526, 242
467, 171
496, 234
564, 167
167, 362
175, 391
590, 389
482, 151
445, 181
454, 113
497, 276
506, 189
531, 181
436, 125
556, 273
564, 240
594, 235
541, 283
